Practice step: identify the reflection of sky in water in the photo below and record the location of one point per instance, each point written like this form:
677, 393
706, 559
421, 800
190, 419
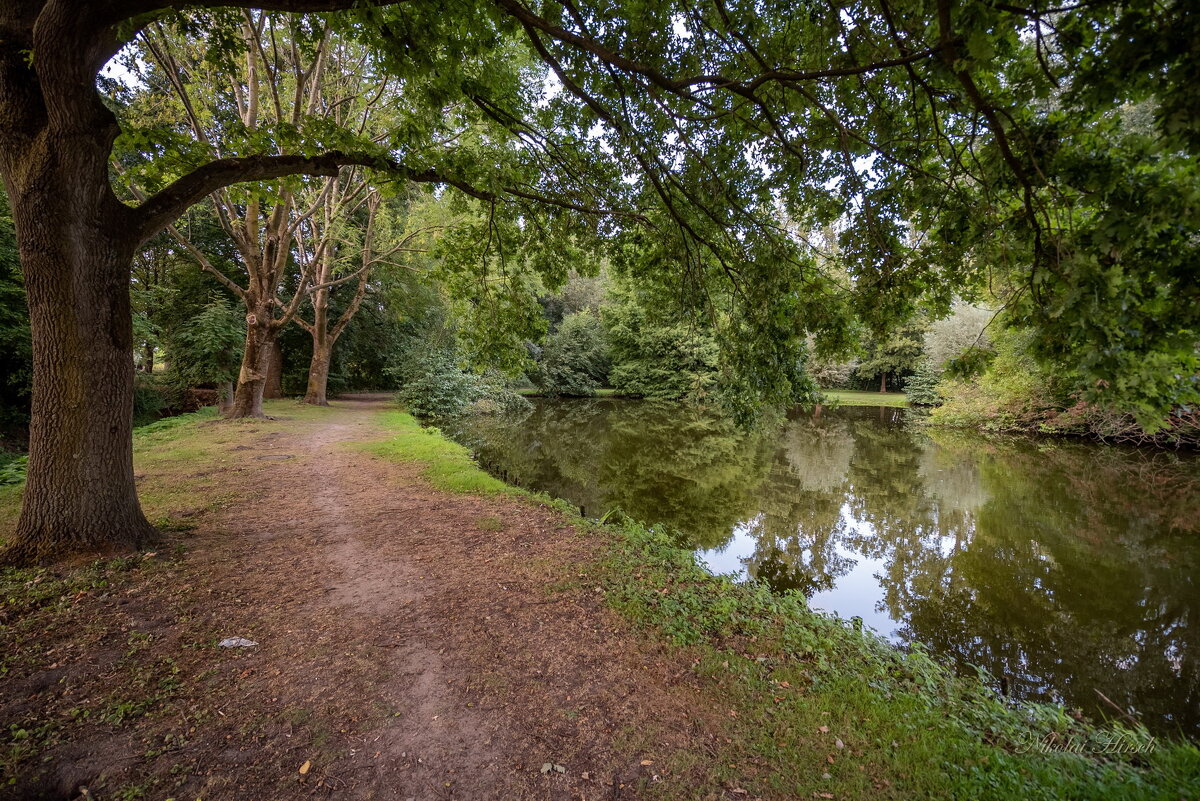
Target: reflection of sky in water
857, 593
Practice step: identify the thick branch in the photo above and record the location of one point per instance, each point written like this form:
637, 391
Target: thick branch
165, 206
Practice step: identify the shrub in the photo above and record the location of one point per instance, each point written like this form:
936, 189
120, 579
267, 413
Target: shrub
574, 360
921, 386
658, 358
149, 398
434, 386
207, 349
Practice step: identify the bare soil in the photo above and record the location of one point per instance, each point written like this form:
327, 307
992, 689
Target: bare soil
411, 644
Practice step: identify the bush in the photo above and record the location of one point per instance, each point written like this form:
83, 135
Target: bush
574, 361
436, 387
207, 349
654, 358
921, 386
154, 396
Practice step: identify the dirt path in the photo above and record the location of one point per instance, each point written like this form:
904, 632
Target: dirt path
411, 644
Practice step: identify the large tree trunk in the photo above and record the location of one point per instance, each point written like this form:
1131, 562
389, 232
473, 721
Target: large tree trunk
318, 371
256, 363
274, 387
76, 250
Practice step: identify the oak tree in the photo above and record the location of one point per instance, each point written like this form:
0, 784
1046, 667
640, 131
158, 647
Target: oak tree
676, 135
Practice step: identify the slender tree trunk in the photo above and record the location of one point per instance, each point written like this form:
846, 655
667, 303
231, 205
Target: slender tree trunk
318, 371
322, 349
148, 359
72, 234
274, 387
883, 382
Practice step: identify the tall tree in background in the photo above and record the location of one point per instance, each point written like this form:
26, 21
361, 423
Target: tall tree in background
276, 82
342, 245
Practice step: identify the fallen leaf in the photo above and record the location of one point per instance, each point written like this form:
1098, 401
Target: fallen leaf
647, 761
838, 742
823, 729
306, 767
829, 759
739, 791
559, 769
546, 768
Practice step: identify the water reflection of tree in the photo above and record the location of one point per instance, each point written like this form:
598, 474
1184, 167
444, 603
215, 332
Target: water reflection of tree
800, 523
691, 469
1065, 586
674, 464
1070, 567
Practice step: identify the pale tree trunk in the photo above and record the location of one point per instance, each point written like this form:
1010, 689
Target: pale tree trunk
322, 348
883, 382
324, 335
318, 372
274, 387
256, 363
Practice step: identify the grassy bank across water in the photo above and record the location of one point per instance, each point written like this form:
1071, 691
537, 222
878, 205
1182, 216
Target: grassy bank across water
819, 708
851, 397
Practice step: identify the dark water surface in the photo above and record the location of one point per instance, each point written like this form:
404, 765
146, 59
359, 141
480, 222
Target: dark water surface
1063, 568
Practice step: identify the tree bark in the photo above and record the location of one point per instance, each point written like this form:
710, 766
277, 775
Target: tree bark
76, 245
274, 387
256, 363
318, 371
883, 382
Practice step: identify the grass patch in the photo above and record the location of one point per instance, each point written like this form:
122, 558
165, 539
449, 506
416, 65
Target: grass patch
448, 465
851, 397
534, 392
819, 708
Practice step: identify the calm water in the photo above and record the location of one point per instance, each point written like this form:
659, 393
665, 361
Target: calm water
1062, 568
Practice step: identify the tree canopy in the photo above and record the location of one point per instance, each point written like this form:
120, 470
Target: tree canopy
948, 144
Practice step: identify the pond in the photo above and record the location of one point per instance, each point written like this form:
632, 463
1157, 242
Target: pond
1066, 569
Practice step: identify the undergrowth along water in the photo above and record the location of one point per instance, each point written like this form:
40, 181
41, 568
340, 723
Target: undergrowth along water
821, 706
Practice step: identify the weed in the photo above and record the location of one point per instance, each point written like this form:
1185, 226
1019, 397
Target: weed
489, 523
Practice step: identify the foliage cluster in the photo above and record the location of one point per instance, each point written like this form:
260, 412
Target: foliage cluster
206, 348
921, 386
12, 468
574, 359
655, 356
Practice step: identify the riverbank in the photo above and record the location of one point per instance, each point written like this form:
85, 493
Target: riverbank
426, 631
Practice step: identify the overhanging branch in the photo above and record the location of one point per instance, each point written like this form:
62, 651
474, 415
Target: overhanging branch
162, 208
